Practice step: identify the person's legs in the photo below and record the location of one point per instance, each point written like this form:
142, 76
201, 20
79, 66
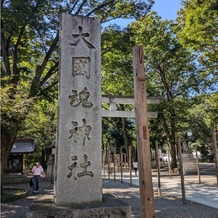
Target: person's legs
35, 184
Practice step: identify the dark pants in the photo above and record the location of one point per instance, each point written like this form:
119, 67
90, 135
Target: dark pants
136, 169
36, 183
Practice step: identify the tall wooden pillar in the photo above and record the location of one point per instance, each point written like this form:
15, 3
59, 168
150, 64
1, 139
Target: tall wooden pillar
143, 144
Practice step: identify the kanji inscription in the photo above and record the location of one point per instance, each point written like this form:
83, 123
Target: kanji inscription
83, 165
81, 98
71, 167
80, 132
78, 178
81, 66
81, 37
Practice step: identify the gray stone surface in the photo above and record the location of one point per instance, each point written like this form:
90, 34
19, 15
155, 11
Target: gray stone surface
49, 168
189, 164
78, 162
109, 207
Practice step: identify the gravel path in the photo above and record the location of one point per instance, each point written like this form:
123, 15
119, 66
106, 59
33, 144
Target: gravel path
165, 207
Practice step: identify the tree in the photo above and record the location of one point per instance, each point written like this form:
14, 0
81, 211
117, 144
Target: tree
169, 68
24, 39
202, 116
40, 124
198, 30
29, 42
117, 79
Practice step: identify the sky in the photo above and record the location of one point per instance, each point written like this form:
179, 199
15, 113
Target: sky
167, 9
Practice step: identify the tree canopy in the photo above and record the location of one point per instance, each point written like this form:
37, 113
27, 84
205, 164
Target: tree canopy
29, 43
198, 23
180, 64
169, 68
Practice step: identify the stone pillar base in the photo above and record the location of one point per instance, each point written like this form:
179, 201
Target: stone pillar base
189, 164
110, 206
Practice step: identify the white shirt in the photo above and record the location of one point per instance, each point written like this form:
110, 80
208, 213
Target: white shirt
135, 164
37, 171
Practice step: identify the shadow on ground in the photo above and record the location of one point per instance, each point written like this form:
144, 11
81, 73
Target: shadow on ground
165, 206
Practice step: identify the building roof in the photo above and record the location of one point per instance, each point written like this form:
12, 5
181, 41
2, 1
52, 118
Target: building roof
22, 146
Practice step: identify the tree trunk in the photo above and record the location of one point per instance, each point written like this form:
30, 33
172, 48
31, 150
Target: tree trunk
173, 137
173, 153
170, 133
7, 141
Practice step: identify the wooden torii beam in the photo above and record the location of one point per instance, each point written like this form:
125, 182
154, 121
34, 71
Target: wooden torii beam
114, 100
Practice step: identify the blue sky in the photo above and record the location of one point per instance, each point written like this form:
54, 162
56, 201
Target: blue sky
167, 9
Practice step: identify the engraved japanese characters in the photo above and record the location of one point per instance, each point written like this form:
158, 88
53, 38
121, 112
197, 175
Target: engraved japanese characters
79, 135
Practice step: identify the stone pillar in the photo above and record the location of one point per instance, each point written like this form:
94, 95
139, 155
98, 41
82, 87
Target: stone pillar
78, 163
189, 164
49, 168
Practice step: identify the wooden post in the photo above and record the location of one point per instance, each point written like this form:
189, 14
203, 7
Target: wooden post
214, 142
197, 162
114, 164
181, 171
143, 144
104, 155
121, 164
158, 168
108, 163
168, 161
130, 164
124, 154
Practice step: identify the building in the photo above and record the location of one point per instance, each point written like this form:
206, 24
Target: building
14, 168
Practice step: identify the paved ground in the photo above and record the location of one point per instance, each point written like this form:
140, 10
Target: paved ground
205, 193
19, 208
169, 205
